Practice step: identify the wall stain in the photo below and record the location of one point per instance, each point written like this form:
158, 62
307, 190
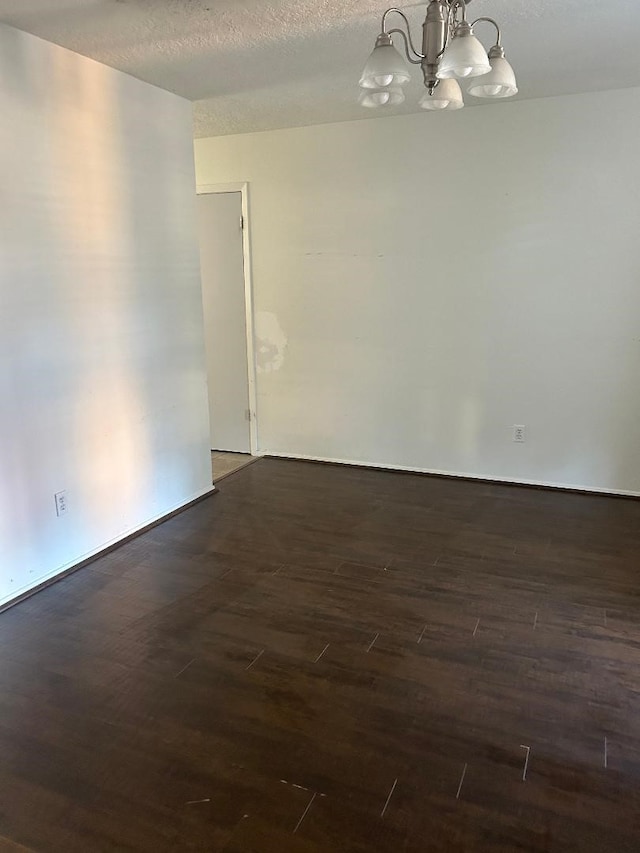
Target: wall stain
271, 342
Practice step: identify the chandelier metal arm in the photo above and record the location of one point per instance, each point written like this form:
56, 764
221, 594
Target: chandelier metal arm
406, 35
489, 21
407, 46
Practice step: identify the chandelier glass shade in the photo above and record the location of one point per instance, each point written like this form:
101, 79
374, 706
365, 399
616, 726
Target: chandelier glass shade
500, 82
451, 52
446, 96
463, 57
385, 67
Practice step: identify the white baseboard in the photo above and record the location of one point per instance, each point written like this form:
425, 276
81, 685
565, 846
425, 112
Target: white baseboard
456, 474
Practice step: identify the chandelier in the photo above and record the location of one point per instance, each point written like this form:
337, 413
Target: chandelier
450, 52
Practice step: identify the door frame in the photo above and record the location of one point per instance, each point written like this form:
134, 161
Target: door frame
243, 188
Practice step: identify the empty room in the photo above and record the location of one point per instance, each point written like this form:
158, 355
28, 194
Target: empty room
319, 426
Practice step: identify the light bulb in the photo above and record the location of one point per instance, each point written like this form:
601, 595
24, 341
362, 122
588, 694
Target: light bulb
380, 98
389, 96
383, 79
464, 72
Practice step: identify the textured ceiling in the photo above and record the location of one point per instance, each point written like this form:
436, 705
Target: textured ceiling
262, 64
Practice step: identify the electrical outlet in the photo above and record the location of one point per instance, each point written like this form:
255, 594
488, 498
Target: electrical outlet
61, 503
518, 432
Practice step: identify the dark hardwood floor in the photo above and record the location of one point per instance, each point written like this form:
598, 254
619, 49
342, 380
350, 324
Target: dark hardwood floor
332, 659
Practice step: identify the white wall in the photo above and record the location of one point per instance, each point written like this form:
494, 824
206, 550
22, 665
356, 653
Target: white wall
102, 381
439, 278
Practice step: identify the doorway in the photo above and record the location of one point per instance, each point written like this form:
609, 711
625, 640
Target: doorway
227, 305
